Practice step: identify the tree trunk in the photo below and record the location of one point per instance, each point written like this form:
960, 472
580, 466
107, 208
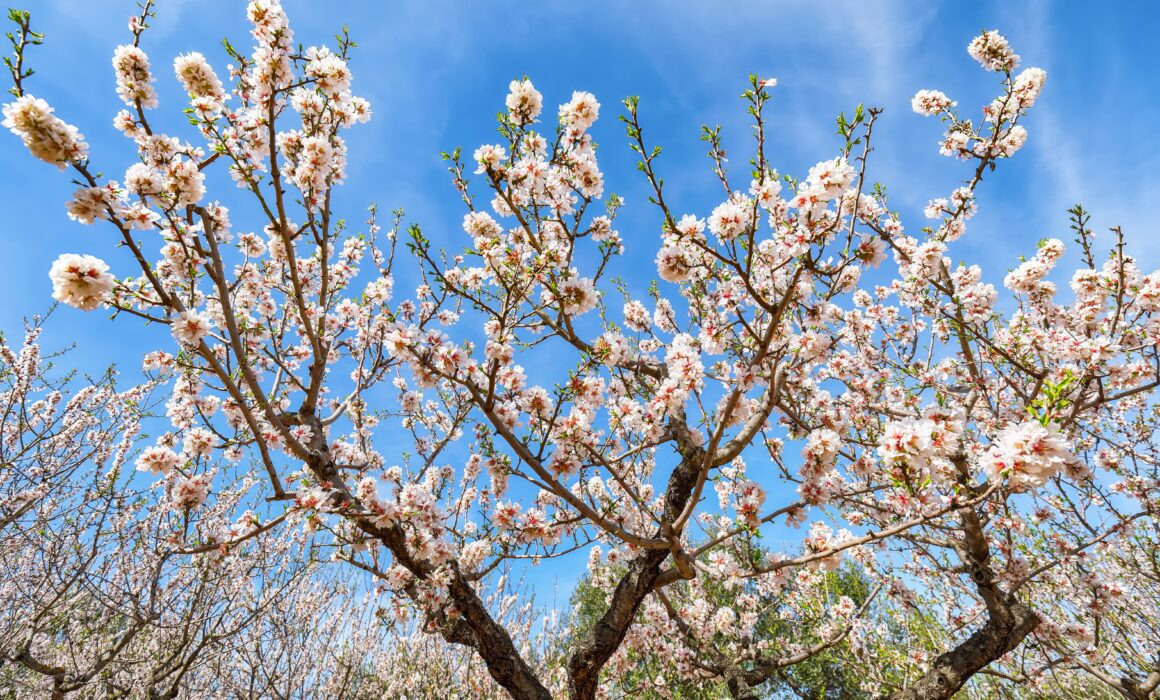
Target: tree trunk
594, 649
952, 669
738, 688
492, 642
1140, 690
1008, 621
475, 627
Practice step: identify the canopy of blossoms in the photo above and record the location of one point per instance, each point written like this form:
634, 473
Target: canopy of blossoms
808, 363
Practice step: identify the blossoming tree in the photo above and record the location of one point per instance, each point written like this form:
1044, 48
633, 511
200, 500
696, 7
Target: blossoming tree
972, 457
105, 592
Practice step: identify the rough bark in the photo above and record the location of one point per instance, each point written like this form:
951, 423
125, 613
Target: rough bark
1139, 690
1008, 620
595, 647
492, 642
739, 688
474, 627
952, 669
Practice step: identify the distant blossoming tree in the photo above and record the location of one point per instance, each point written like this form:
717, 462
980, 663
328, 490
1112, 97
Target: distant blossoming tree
986, 465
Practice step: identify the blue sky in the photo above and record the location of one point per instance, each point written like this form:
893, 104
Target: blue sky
436, 73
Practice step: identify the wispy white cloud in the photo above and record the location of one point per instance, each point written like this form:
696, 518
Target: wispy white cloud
1082, 151
95, 18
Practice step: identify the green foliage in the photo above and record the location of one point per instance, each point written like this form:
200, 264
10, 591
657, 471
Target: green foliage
20, 40
830, 675
1054, 400
846, 127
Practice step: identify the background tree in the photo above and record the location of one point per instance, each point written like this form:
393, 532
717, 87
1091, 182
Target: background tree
831, 673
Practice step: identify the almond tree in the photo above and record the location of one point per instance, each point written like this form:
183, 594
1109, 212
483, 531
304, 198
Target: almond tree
99, 592
934, 422
113, 590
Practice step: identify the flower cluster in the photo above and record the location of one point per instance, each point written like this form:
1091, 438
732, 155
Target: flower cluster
81, 281
931, 102
1027, 455
134, 81
1028, 277
524, 102
158, 460
47, 136
190, 327
921, 446
189, 492
993, 52
199, 78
